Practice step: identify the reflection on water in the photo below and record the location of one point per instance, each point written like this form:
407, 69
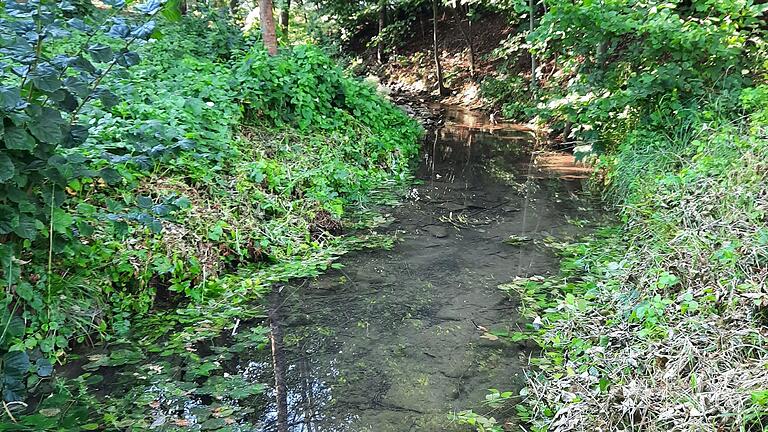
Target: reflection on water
391, 342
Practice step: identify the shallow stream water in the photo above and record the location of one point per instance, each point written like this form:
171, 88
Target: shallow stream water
392, 342
396, 340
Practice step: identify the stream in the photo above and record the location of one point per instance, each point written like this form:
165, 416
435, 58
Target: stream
393, 341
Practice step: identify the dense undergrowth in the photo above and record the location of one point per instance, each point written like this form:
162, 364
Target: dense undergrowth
660, 322
209, 172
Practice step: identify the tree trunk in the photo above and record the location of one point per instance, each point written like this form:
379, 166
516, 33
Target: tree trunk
438, 66
382, 23
534, 65
268, 26
233, 6
467, 33
285, 15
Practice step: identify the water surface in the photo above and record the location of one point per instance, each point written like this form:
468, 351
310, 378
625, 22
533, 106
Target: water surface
392, 342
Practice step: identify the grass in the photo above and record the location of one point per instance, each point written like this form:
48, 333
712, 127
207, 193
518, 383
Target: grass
659, 324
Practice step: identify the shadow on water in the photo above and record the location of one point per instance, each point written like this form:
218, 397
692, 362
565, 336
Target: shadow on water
391, 342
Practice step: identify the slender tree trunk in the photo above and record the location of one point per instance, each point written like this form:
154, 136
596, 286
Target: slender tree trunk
438, 66
233, 6
467, 33
268, 26
534, 63
382, 23
285, 15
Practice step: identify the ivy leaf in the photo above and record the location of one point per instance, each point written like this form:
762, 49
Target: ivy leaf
101, 53
19, 9
143, 31
161, 210
66, 100
144, 202
20, 50
67, 6
56, 31
17, 138
110, 176
84, 65
16, 326
119, 30
76, 136
115, 3
44, 367
150, 7
108, 99
7, 169
78, 24
24, 290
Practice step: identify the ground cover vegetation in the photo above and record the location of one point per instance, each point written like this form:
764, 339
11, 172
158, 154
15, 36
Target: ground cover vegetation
159, 172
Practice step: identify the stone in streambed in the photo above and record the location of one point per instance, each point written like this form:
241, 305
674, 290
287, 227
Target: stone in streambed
437, 230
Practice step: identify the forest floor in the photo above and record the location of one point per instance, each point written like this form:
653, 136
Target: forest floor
410, 68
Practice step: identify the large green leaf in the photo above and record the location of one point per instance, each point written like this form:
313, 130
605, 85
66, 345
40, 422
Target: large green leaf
101, 53
10, 97
46, 78
61, 221
47, 126
7, 169
15, 367
78, 85
15, 328
27, 227
9, 219
17, 138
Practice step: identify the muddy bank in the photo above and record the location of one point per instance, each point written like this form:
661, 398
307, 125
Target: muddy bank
391, 341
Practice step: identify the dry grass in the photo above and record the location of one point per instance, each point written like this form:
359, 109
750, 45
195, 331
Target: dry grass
697, 368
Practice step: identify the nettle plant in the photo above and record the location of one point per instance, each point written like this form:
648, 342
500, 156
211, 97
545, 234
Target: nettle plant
46, 86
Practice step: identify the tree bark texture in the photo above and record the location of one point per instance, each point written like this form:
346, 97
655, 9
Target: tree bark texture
380, 55
268, 26
285, 16
438, 66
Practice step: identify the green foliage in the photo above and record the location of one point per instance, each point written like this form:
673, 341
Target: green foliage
512, 93
628, 69
171, 193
